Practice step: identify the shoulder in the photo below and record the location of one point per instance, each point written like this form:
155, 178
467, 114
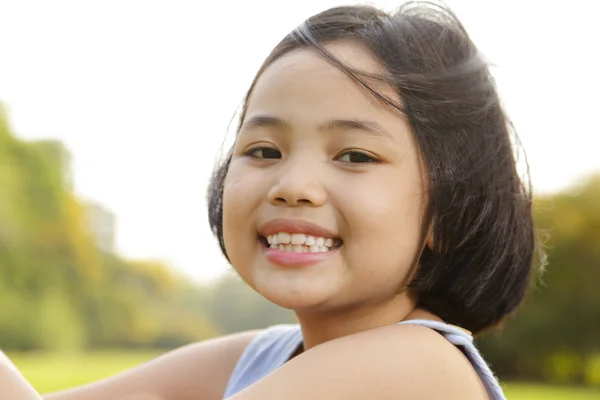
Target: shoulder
421, 359
406, 361
196, 370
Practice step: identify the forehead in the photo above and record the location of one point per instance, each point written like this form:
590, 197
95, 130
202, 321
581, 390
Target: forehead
302, 84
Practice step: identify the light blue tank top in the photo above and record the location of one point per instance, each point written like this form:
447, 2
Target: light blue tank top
273, 347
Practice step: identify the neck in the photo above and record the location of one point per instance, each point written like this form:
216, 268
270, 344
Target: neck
320, 327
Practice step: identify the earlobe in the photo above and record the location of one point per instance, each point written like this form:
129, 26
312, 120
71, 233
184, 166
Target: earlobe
429, 240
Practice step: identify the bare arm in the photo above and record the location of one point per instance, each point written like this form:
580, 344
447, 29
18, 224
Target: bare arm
195, 371
12, 384
395, 362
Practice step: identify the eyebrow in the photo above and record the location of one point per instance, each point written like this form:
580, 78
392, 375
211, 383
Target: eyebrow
366, 126
265, 121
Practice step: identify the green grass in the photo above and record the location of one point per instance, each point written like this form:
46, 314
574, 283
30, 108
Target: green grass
540, 392
51, 372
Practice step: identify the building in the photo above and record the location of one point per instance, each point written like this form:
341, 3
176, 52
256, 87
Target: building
102, 224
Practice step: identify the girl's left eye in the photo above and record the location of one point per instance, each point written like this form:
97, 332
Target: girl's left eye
356, 157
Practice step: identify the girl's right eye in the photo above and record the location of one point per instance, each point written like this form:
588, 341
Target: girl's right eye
265, 153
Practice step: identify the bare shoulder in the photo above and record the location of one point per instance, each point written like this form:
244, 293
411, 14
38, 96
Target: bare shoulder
400, 361
199, 370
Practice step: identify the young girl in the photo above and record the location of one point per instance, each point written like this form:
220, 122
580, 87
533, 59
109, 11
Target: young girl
372, 189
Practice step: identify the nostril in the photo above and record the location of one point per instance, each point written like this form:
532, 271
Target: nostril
282, 200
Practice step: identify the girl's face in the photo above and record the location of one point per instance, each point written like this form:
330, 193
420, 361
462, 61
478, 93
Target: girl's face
320, 163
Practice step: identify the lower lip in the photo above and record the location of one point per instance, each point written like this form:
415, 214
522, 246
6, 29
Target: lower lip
291, 259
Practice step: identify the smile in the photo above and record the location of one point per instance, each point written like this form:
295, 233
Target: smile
300, 242
297, 243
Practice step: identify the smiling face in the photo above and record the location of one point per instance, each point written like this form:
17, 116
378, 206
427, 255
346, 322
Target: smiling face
324, 199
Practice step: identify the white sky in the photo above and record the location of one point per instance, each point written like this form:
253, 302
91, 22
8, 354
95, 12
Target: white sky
142, 92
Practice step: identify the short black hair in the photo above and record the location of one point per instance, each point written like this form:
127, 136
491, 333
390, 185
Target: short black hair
478, 209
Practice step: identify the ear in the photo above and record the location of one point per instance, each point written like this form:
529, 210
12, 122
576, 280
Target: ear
429, 239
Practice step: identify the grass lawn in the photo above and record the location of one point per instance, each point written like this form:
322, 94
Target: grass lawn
541, 392
50, 372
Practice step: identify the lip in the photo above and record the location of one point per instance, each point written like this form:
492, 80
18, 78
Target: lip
295, 226
288, 259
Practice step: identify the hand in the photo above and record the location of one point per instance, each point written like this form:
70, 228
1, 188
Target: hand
13, 385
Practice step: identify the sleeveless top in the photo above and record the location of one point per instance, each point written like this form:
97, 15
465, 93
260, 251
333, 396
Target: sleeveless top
273, 347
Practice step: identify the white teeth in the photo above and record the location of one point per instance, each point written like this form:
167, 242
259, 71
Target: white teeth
284, 237
299, 242
298, 238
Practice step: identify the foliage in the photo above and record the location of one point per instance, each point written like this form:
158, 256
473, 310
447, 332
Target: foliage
556, 334
60, 291
517, 391
235, 307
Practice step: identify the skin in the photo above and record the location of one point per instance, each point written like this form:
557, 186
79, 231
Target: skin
302, 167
375, 207
305, 168
197, 371
13, 385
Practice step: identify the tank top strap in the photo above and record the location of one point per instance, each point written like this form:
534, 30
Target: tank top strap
463, 339
269, 350
274, 346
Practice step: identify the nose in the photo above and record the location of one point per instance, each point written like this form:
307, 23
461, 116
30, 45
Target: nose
298, 184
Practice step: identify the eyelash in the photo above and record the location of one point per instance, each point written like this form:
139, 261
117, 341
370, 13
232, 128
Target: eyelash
369, 159
250, 152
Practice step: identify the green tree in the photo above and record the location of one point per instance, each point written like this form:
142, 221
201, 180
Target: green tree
236, 307
556, 333
57, 288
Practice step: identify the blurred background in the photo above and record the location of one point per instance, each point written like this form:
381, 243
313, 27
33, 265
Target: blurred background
112, 114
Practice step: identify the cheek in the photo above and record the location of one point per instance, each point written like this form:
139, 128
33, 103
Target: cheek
239, 187
241, 195
384, 224
233, 206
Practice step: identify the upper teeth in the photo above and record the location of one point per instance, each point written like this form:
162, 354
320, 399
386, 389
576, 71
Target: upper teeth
298, 238
298, 241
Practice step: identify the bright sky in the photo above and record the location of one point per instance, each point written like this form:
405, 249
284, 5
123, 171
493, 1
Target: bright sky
142, 92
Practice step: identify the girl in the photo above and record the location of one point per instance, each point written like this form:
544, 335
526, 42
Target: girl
372, 189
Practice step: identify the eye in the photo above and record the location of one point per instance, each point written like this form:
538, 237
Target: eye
266, 153
356, 157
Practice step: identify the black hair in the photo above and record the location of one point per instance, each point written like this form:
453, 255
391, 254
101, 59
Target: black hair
478, 207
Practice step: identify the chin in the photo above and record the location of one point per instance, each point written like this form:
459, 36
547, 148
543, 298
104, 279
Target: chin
296, 292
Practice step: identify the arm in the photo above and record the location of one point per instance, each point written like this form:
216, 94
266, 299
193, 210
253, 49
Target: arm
195, 371
12, 384
393, 362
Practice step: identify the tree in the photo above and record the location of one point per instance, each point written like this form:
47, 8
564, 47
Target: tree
556, 334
